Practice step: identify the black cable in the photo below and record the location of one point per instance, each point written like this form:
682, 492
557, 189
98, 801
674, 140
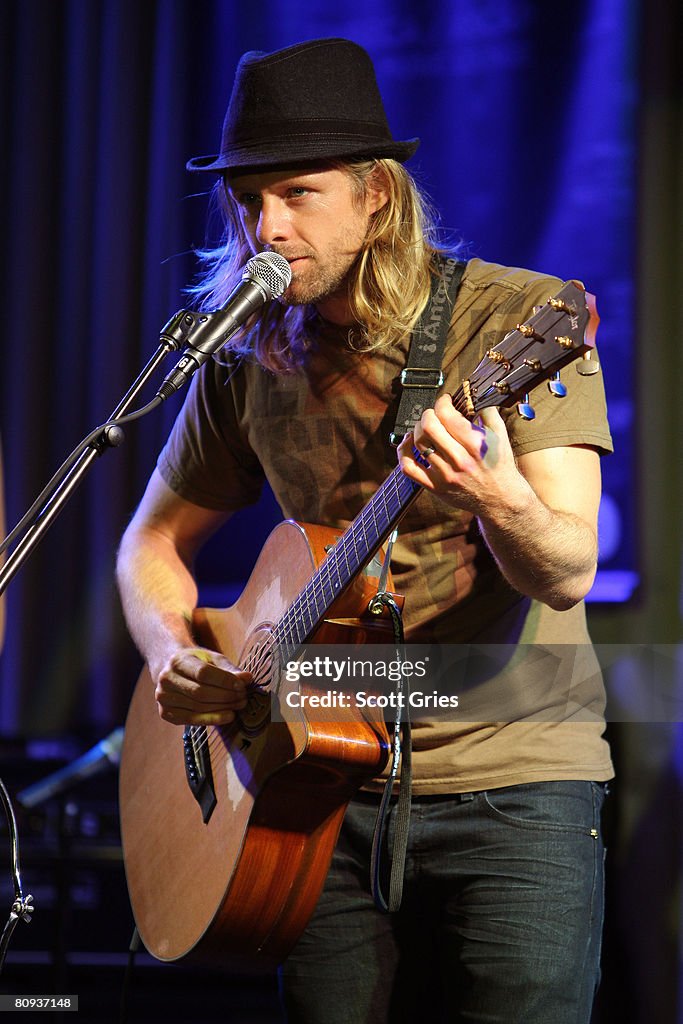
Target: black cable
402, 754
133, 947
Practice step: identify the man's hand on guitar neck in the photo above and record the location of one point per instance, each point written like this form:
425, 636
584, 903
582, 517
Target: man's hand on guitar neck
200, 687
538, 513
469, 465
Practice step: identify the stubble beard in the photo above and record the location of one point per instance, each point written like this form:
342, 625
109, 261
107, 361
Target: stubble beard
323, 275
315, 283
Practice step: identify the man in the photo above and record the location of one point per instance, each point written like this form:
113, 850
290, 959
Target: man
503, 882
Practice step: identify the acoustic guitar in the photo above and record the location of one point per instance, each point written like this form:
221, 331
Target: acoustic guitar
228, 831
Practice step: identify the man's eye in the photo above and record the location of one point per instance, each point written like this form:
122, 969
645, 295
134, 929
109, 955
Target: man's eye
248, 199
298, 191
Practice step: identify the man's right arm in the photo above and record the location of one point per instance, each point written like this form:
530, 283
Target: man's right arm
159, 594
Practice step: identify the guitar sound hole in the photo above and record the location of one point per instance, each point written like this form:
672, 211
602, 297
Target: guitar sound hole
258, 658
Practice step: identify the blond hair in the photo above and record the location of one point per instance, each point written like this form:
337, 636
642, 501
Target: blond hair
389, 283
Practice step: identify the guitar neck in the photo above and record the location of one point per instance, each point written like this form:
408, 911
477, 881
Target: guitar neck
347, 558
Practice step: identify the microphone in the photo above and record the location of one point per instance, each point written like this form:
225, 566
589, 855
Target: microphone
103, 755
264, 277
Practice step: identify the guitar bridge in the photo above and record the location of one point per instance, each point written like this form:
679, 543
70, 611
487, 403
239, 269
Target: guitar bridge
198, 768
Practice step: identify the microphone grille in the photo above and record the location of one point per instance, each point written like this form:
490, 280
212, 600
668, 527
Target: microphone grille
270, 270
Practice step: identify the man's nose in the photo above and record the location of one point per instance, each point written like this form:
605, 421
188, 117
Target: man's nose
274, 223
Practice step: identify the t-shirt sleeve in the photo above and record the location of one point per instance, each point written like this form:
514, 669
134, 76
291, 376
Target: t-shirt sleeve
578, 418
206, 459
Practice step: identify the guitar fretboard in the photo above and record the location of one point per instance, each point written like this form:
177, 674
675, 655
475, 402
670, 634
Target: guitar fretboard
346, 559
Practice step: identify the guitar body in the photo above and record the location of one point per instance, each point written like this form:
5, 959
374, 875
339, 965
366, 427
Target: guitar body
236, 886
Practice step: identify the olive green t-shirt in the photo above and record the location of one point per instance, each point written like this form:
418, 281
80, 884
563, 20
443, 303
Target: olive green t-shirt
320, 436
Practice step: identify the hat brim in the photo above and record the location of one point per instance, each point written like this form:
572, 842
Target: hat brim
290, 151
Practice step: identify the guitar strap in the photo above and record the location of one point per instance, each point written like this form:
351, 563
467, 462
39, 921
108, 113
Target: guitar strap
421, 380
423, 375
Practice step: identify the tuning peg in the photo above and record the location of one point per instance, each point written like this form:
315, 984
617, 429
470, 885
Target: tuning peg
556, 387
561, 306
525, 410
587, 366
529, 331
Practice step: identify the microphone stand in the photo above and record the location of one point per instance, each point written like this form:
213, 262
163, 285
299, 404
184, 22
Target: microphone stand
60, 489
42, 514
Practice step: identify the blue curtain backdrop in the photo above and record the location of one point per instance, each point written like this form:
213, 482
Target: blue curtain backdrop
550, 139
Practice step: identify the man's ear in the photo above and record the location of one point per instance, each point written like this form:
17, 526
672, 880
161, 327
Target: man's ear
377, 194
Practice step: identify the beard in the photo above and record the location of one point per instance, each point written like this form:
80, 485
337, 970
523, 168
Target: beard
318, 277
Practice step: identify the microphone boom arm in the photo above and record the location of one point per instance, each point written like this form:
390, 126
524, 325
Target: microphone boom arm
265, 276
63, 485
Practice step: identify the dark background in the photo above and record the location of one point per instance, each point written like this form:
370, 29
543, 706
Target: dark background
550, 139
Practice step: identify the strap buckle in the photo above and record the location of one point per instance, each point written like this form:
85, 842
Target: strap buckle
436, 382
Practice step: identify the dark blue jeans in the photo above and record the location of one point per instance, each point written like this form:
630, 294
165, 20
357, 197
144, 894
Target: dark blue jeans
500, 923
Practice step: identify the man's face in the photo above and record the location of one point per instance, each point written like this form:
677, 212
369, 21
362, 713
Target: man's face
313, 218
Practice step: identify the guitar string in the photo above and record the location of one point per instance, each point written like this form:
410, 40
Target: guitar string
322, 583
325, 584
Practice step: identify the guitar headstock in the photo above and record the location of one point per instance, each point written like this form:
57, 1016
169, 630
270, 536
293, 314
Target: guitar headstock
559, 332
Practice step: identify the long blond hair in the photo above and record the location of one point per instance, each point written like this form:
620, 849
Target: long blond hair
389, 282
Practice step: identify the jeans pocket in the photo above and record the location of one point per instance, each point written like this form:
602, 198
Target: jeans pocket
565, 806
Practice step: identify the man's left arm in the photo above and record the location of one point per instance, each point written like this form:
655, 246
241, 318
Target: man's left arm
538, 513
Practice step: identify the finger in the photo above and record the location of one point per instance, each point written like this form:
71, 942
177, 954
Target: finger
440, 427
406, 444
447, 424
190, 702
195, 697
491, 418
176, 692
181, 716
210, 669
412, 460
214, 659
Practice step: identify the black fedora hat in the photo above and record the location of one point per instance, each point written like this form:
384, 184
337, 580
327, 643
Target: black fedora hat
314, 101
